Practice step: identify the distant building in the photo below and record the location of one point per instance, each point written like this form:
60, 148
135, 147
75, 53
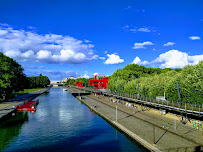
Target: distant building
54, 82
64, 80
71, 77
79, 77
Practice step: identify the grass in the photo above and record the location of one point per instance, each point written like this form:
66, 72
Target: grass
28, 90
23, 92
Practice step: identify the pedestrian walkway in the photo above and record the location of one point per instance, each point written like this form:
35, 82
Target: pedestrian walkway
9, 106
170, 134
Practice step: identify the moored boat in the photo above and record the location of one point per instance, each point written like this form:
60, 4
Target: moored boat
64, 89
28, 106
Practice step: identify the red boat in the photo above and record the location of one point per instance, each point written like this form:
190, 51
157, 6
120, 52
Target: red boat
29, 106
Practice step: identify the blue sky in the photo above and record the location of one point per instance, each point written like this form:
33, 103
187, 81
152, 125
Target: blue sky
60, 38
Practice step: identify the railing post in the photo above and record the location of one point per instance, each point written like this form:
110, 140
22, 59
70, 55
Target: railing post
199, 109
116, 112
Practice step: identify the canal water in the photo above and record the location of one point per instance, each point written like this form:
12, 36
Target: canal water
61, 123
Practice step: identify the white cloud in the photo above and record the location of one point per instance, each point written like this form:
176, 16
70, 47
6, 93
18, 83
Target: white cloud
194, 38
95, 73
141, 45
144, 30
87, 41
102, 58
50, 48
176, 59
171, 59
32, 27
43, 54
169, 44
138, 61
195, 59
28, 54
105, 52
86, 75
69, 56
141, 29
113, 59
3, 32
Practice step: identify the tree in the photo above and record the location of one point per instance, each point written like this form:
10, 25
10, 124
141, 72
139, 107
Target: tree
12, 77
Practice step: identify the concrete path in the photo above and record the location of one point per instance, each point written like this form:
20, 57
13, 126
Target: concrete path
183, 137
7, 107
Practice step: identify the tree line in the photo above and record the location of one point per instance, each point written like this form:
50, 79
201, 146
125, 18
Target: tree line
84, 81
38, 81
12, 78
154, 82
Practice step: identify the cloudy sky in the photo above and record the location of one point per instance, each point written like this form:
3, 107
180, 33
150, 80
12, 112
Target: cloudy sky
60, 38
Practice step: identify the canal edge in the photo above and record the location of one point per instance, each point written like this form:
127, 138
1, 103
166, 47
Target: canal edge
141, 142
8, 114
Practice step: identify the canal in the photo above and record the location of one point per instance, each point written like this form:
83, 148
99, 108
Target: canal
60, 123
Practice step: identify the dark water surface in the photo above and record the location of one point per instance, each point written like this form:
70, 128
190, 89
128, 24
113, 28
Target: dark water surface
61, 123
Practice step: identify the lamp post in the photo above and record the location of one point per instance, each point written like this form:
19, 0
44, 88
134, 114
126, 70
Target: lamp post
178, 93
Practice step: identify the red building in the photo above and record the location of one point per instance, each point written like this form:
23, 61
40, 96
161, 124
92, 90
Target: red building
99, 83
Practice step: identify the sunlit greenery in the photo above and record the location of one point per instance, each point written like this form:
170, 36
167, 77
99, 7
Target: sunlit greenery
12, 78
154, 82
38, 81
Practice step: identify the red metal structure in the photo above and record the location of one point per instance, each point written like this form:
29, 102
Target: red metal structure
99, 83
78, 83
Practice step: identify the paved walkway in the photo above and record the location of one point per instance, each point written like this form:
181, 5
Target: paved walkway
7, 107
183, 137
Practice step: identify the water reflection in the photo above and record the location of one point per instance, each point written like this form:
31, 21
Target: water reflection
10, 128
62, 123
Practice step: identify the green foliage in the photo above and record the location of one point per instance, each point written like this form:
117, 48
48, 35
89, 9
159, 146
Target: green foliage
12, 77
192, 81
38, 81
28, 90
132, 71
154, 82
84, 81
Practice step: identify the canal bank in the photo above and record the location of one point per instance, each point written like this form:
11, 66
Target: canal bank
6, 108
61, 123
147, 124
139, 141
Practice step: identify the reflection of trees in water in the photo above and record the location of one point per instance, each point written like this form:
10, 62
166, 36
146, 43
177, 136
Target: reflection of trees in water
10, 128
45, 94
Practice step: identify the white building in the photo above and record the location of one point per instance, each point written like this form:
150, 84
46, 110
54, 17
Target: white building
64, 80
71, 77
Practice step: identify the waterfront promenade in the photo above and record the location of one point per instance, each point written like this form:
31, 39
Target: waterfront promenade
164, 132
7, 107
